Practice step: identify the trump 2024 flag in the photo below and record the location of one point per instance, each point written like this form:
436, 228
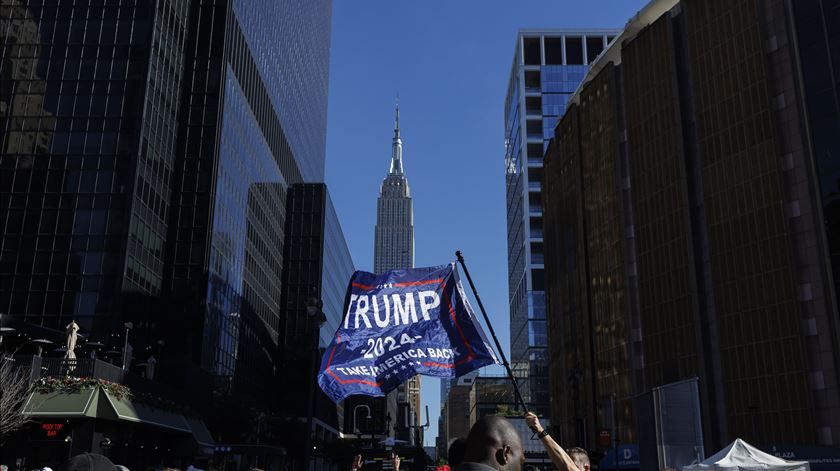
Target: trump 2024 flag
400, 324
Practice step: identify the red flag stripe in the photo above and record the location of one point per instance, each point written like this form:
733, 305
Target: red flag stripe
419, 283
449, 365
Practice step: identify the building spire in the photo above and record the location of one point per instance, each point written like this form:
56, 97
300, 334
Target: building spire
397, 121
396, 146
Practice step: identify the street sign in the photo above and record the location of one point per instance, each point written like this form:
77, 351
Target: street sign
623, 457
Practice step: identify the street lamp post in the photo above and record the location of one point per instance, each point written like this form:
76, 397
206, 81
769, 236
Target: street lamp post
418, 428
128, 326
315, 319
356, 425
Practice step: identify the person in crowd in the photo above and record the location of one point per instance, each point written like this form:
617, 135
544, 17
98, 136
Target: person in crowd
575, 460
455, 454
581, 458
493, 444
88, 462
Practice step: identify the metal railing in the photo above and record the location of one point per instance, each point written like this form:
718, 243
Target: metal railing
45, 367
62, 367
81, 368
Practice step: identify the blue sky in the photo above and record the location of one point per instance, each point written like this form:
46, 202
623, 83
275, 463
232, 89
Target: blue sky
449, 61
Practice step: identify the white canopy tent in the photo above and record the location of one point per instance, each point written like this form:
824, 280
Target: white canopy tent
741, 456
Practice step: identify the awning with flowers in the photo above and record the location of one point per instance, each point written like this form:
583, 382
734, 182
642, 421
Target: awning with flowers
77, 404
71, 397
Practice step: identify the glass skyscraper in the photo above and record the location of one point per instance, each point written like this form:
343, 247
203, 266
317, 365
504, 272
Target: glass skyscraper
548, 66
147, 151
289, 41
317, 266
88, 108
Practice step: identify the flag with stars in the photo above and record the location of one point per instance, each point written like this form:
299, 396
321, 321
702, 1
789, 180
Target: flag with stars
400, 324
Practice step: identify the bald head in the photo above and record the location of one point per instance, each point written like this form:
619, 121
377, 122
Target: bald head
494, 442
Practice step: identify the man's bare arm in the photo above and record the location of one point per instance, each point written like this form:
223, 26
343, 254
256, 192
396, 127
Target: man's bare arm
558, 455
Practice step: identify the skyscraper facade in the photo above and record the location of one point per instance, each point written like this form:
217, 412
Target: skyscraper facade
316, 268
394, 233
75, 82
147, 151
252, 152
547, 67
446, 385
688, 200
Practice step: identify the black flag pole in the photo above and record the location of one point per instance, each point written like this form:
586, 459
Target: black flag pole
492, 332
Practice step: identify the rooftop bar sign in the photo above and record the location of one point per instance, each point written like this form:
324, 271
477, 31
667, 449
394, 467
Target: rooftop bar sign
51, 429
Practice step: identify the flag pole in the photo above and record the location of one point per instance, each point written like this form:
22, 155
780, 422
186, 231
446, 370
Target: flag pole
492, 332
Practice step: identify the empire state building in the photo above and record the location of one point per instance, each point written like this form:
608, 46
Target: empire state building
394, 238
394, 249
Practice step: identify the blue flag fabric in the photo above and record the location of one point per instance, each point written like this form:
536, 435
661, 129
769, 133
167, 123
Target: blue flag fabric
400, 324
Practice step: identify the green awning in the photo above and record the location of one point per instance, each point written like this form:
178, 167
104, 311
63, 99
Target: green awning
97, 403
200, 432
82, 403
131, 411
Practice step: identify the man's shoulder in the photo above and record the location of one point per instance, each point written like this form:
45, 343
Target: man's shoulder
471, 466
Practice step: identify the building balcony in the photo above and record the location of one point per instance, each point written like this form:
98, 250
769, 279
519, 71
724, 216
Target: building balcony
44, 367
51, 367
